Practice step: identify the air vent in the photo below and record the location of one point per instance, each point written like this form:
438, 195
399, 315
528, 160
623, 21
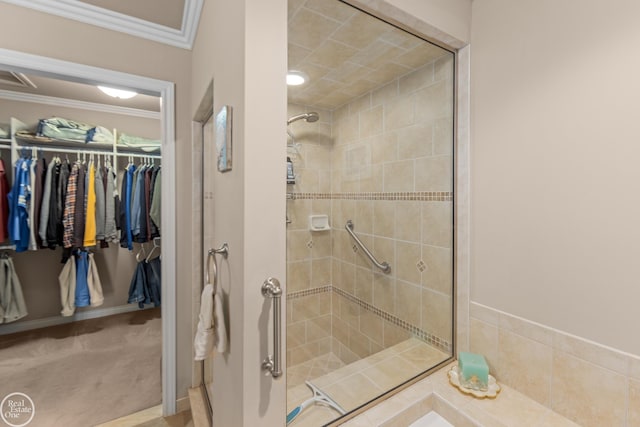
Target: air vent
15, 79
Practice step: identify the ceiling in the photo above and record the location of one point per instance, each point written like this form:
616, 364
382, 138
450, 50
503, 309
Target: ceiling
346, 52
12, 82
163, 12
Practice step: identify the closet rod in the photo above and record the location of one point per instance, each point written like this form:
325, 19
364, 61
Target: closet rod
80, 150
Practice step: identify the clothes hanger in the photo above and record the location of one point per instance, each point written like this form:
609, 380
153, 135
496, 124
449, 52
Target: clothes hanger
142, 252
156, 245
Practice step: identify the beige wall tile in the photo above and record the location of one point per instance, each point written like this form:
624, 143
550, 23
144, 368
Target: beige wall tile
406, 296
318, 328
384, 293
321, 272
296, 334
298, 212
384, 217
339, 11
484, 313
331, 54
297, 248
408, 255
371, 122
526, 329
339, 330
371, 325
360, 104
359, 343
417, 80
483, 339
525, 365
437, 314
394, 335
398, 176
434, 174
434, 102
633, 416
386, 72
420, 54
408, 221
309, 28
321, 244
634, 368
437, 224
384, 148
438, 273
298, 276
373, 181
443, 68
363, 216
364, 284
443, 136
415, 141
399, 113
385, 93
591, 352
587, 394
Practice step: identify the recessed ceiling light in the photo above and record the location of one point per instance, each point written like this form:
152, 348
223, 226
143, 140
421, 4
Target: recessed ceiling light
296, 78
118, 93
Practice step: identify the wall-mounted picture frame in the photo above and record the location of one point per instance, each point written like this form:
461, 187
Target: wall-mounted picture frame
224, 140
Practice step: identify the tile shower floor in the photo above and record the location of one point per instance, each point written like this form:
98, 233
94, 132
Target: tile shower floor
357, 383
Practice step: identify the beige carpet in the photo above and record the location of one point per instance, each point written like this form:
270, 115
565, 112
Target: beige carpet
88, 372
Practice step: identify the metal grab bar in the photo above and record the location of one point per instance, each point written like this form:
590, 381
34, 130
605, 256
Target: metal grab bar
385, 267
271, 288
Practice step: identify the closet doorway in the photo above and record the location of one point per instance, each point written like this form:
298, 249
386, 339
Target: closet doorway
21, 64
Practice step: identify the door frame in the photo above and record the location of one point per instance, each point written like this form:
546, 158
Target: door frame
80, 73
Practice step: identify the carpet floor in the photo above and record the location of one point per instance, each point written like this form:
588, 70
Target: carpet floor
88, 372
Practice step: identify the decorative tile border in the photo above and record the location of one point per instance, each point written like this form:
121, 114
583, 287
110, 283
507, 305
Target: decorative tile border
424, 196
425, 336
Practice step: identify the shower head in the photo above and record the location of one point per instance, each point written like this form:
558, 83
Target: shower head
308, 117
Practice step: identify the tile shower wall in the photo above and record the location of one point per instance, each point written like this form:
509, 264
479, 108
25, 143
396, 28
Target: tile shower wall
385, 162
392, 175
308, 253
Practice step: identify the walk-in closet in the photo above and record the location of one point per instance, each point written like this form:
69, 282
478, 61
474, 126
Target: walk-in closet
81, 249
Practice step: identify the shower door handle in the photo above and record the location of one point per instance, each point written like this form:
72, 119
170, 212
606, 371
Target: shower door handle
271, 289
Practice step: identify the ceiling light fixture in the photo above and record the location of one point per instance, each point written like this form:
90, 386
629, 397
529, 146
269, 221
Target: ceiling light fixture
296, 78
118, 93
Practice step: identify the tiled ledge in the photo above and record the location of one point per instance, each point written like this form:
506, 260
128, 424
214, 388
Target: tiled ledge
509, 409
589, 383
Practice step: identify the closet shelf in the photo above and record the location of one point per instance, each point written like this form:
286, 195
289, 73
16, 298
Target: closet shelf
24, 138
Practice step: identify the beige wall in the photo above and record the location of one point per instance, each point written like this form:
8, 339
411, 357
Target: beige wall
554, 165
450, 16
242, 47
41, 34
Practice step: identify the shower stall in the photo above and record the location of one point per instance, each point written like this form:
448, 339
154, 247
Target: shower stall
369, 288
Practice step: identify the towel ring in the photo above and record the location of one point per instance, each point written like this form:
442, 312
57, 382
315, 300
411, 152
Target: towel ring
211, 254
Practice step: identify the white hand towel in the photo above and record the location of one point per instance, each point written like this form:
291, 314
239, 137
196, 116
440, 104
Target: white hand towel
219, 324
203, 342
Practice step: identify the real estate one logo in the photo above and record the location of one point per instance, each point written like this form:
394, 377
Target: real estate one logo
17, 409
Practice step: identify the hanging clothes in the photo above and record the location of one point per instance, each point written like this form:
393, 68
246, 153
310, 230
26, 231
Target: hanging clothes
12, 305
67, 280
19, 206
155, 211
38, 191
94, 284
90, 209
70, 206
4, 202
82, 297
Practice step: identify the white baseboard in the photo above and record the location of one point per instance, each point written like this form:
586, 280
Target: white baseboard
28, 325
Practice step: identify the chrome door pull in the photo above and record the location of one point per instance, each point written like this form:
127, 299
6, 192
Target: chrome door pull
271, 288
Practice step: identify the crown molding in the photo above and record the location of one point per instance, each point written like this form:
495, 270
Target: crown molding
105, 18
10, 95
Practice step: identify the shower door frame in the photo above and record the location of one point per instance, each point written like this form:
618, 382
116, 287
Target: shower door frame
460, 179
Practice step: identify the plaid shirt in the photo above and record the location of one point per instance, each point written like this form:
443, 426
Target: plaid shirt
70, 207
